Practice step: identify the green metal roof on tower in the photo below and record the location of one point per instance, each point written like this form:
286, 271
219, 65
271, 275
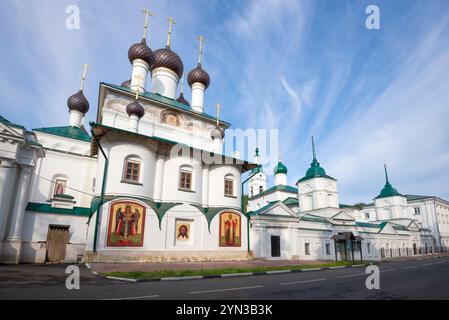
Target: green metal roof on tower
280, 168
315, 170
388, 190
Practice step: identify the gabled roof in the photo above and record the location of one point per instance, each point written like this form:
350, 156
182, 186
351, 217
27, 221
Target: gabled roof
313, 218
271, 206
315, 170
70, 132
291, 201
165, 100
276, 188
11, 124
342, 216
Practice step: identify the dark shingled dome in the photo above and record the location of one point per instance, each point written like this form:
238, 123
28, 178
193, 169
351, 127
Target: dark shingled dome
198, 75
217, 133
141, 51
78, 102
182, 100
165, 58
136, 109
126, 84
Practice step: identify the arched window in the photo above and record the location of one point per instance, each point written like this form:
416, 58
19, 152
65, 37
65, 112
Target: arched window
252, 191
186, 178
131, 169
260, 189
229, 185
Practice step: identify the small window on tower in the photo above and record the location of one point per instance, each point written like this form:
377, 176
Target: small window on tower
260, 189
185, 180
132, 170
228, 187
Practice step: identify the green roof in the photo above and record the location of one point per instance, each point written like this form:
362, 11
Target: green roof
315, 170
70, 132
276, 188
256, 170
47, 208
412, 197
313, 218
280, 168
11, 124
290, 201
172, 102
267, 206
388, 190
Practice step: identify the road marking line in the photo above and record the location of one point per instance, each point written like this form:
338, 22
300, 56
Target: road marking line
389, 270
303, 281
351, 275
410, 267
427, 264
226, 289
133, 298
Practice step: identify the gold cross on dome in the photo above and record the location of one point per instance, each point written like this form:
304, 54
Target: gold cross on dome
200, 49
171, 22
147, 13
218, 107
85, 67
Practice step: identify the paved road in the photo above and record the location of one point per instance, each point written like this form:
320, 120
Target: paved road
424, 279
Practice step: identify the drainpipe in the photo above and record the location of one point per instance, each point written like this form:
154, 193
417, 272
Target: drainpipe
243, 210
103, 187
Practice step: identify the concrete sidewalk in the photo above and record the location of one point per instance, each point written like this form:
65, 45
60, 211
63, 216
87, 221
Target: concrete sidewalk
136, 266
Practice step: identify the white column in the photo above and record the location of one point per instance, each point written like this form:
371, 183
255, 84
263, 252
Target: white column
21, 201
164, 81
139, 75
198, 96
217, 146
76, 118
6, 183
133, 123
159, 177
12, 246
205, 184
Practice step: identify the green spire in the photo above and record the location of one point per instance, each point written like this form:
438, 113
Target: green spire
259, 167
388, 190
257, 152
315, 170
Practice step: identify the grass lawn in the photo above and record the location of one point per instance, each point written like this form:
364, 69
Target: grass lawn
204, 272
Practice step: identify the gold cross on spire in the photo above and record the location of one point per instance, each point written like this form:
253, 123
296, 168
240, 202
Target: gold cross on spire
171, 22
85, 67
200, 49
218, 107
147, 13
137, 94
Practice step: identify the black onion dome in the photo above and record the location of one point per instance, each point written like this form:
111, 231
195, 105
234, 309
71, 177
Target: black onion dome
198, 75
141, 51
78, 102
136, 109
182, 100
165, 58
126, 84
217, 133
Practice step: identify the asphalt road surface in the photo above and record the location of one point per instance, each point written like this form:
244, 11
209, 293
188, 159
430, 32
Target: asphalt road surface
423, 279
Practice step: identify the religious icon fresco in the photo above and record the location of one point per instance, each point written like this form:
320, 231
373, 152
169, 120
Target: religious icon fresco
126, 224
183, 230
230, 229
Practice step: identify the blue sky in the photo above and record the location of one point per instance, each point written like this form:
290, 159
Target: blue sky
304, 67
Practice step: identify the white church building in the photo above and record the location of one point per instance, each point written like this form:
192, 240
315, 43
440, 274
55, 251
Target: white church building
307, 221
147, 181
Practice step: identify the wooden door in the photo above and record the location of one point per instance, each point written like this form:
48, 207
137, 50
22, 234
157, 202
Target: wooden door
57, 239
